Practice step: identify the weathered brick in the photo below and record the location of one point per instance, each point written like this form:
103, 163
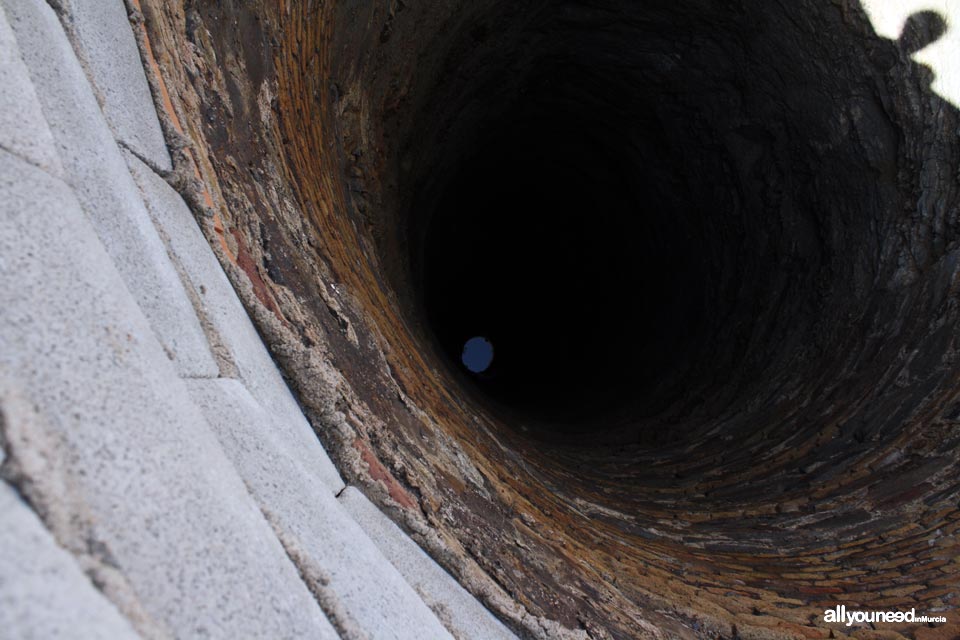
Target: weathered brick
940, 632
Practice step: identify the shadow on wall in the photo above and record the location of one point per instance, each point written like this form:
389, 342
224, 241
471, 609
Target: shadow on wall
893, 18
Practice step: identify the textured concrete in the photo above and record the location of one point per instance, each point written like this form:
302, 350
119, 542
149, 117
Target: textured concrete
104, 41
120, 461
23, 130
240, 342
43, 593
97, 172
462, 614
332, 551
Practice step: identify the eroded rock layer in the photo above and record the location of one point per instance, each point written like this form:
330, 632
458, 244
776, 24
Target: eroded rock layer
714, 246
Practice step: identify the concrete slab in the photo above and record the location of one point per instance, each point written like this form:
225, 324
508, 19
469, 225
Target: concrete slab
317, 531
225, 313
120, 460
104, 41
23, 131
97, 172
463, 615
43, 593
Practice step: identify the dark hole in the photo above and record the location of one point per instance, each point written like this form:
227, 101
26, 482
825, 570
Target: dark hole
575, 264
655, 213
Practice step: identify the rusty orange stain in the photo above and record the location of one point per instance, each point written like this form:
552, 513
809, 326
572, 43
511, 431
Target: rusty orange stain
379, 473
248, 266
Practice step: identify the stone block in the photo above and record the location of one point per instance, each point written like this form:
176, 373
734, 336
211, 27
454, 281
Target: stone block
228, 319
23, 131
43, 593
330, 548
457, 608
97, 172
118, 458
104, 41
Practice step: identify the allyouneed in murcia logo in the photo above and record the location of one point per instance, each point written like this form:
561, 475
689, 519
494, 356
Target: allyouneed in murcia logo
840, 614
